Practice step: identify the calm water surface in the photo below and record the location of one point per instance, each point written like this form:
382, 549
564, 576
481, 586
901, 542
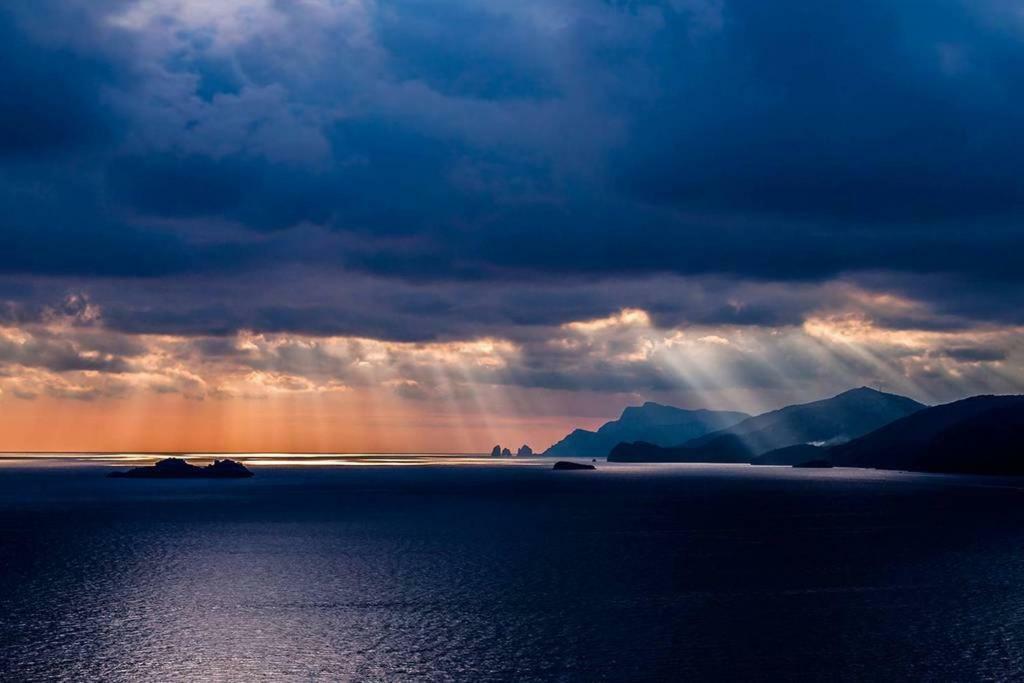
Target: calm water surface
485, 572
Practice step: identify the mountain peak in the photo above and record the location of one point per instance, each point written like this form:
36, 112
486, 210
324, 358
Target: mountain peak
651, 421
863, 391
872, 395
846, 416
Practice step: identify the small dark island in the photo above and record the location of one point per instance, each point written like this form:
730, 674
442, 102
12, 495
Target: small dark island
566, 465
176, 468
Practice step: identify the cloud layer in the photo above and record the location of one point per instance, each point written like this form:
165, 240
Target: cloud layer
419, 179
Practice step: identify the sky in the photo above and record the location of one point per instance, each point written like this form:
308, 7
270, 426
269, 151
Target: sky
436, 225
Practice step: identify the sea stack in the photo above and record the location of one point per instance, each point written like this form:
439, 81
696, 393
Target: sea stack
524, 451
506, 453
496, 452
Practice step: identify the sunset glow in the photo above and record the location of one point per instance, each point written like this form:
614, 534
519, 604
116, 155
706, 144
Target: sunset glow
70, 383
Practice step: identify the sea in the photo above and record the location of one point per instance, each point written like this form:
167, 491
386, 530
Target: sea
455, 568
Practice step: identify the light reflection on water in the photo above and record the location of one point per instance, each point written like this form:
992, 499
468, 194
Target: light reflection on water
498, 573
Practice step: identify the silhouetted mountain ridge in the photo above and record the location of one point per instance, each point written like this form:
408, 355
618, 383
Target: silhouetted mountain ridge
653, 422
845, 416
977, 435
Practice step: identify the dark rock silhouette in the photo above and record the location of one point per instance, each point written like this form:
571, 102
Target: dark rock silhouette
176, 468
846, 416
791, 455
978, 435
524, 451
506, 453
566, 465
496, 452
820, 463
652, 423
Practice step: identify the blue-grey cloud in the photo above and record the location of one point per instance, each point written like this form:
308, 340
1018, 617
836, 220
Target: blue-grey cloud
52, 96
440, 157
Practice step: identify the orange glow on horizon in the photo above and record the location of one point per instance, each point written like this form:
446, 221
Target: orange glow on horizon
300, 423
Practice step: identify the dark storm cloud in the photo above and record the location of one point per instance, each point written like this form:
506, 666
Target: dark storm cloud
476, 167
350, 304
491, 61
61, 230
873, 111
52, 100
179, 187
